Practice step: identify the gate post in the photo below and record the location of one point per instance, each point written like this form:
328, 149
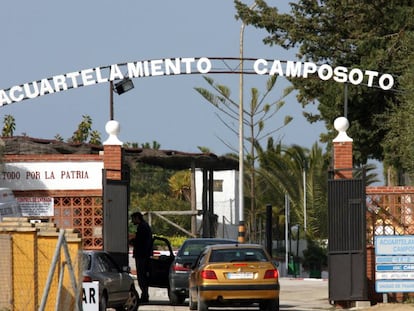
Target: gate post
115, 197
342, 145
347, 225
113, 152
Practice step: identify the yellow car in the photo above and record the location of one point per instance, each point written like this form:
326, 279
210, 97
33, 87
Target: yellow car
234, 275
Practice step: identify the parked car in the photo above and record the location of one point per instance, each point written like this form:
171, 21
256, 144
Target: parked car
234, 275
181, 266
116, 286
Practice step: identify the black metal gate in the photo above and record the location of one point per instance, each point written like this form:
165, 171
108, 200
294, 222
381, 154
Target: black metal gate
347, 240
115, 218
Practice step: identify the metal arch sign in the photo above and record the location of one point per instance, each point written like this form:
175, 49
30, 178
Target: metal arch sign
192, 65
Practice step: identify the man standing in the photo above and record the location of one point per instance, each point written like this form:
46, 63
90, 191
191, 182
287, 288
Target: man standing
142, 252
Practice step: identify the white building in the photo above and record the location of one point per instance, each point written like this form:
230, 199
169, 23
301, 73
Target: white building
225, 201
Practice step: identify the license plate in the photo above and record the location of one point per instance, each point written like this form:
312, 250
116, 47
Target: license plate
240, 275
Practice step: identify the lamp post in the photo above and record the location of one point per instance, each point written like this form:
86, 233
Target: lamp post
120, 87
295, 230
287, 234
111, 100
304, 196
241, 235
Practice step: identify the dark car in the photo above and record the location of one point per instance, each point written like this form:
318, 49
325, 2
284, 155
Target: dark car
181, 266
116, 286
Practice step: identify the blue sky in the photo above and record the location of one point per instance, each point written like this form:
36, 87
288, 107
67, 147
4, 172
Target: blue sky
44, 38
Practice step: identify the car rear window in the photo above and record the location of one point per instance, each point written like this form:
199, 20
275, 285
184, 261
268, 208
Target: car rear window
194, 248
244, 254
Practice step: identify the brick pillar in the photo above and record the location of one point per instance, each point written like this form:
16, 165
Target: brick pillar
342, 146
113, 152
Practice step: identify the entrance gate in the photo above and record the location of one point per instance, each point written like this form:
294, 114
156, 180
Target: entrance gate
347, 239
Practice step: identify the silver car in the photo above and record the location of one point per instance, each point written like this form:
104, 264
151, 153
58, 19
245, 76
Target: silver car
116, 286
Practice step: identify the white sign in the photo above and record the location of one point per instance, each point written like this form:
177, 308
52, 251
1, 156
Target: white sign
36, 206
391, 286
188, 65
395, 275
25, 176
395, 259
90, 296
394, 245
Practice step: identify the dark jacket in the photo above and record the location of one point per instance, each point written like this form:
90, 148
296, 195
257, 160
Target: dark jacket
143, 241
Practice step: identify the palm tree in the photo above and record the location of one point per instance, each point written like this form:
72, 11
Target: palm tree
9, 126
180, 185
281, 172
95, 138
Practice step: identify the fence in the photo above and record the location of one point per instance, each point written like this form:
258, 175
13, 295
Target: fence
390, 211
29, 280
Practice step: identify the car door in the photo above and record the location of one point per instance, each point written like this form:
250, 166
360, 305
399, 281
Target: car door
160, 265
112, 278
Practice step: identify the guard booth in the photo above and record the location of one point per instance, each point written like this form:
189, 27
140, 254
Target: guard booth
347, 238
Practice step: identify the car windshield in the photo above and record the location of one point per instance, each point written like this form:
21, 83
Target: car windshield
195, 247
241, 254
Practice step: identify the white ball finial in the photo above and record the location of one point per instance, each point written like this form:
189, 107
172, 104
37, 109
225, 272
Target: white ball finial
341, 124
112, 127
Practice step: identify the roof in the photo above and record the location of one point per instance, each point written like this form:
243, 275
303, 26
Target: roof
169, 159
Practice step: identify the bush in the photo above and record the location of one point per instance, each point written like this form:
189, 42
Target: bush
314, 257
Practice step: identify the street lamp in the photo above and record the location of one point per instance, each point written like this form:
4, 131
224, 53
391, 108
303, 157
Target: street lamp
295, 230
120, 87
241, 236
305, 166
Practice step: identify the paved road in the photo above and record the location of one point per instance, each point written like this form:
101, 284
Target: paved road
295, 295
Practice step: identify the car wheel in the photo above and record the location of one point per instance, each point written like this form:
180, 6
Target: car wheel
132, 302
175, 299
103, 302
201, 304
270, 305
191, 303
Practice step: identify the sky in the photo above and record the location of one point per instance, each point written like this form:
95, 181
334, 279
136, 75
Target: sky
41, 39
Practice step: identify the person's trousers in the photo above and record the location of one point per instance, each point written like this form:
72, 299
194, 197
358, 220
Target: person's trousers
142, 265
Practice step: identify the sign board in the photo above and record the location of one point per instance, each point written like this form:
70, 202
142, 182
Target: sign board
36, 206
52, 175
394, 268
90, 296
394, 286
190, 65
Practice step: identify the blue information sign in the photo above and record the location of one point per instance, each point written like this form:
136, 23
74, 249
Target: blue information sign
395, 267
394, 257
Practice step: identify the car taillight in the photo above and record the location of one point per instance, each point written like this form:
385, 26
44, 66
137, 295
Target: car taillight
209, 275
180, 267
271, 274
87, 278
